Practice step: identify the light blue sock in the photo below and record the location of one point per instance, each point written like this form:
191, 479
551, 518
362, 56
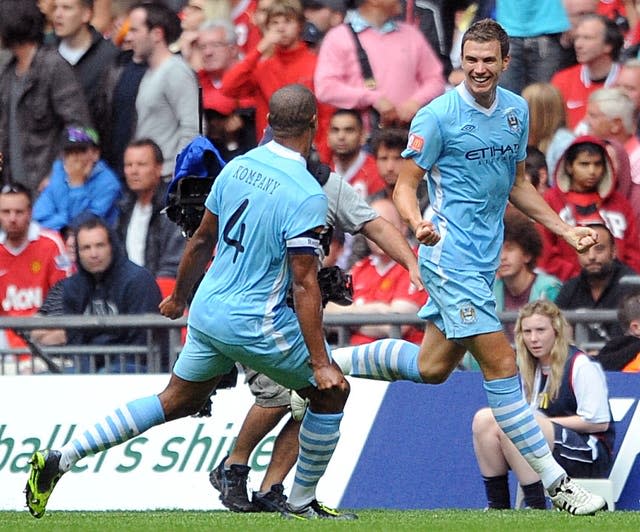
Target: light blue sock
386, 360
516, 420
122, 425
319, 435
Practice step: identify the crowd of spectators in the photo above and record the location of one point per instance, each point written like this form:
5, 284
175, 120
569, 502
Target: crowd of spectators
98, 97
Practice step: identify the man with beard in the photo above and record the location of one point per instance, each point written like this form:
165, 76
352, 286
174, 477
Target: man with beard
346, 140
598, 284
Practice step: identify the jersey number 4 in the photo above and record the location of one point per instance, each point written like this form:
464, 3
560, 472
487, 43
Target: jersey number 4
237, 244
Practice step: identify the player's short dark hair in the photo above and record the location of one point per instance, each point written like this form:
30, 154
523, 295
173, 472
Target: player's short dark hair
292, 110
17, 188
20, 22
520, 230
487, 30
392, 138
147, 142
163, 17
354, 113
629, 310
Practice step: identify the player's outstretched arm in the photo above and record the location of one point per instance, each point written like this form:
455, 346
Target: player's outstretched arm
394, 244
526, 198
197, 254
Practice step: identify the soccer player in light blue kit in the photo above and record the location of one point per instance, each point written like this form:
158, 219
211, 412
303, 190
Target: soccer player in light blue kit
471, 143
265, 213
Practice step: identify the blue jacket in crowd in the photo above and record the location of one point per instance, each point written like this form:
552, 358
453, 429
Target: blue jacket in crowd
59, 204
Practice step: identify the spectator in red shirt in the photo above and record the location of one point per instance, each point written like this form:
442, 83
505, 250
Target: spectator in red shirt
32, 259
349, 160
279, 59
230, 121
597, 43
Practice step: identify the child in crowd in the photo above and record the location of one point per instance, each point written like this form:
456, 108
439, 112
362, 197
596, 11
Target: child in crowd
584, 190
80, 182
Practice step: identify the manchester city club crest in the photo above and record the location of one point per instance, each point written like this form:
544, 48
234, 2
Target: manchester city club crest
513, 122
468, 313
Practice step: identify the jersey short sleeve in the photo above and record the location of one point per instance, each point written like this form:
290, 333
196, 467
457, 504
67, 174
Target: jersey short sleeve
425, 139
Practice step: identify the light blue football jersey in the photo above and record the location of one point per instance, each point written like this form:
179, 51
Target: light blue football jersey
470, 155
265, 200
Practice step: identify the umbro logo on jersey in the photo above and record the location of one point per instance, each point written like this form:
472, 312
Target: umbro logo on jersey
467, 128
574, 104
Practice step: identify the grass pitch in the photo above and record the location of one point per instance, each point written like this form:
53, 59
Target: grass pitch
369, 521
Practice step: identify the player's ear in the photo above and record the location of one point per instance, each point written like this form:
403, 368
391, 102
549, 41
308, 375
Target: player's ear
505, 62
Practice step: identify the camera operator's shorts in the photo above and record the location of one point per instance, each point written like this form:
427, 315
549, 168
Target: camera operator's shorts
203, 357
574, 451
267, 392
461, 302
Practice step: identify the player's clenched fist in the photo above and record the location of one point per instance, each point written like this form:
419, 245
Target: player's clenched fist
426, 233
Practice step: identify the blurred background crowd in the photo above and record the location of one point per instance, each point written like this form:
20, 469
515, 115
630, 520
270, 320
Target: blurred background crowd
97, 98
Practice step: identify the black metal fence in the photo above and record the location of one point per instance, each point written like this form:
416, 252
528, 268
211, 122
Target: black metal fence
155, 357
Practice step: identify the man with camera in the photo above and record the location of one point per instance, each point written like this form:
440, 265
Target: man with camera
349, 212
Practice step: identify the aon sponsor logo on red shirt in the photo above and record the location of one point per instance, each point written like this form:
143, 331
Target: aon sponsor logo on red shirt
22, 298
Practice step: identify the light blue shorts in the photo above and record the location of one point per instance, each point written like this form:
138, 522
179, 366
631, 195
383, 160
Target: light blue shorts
204, 357
461, 302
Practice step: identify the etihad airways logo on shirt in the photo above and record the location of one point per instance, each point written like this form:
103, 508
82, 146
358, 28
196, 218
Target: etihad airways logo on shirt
492, 152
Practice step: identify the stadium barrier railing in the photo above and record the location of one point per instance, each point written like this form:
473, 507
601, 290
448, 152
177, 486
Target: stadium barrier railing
157, 356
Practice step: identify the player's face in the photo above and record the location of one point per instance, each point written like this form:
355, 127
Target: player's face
69, 16
589, 41
482, 63
388, 161
15, 215
345, 135
586, 172
629, 82
513, 260
141, 171
287, 28
94, 249
597, 261
139, 34
538, 335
